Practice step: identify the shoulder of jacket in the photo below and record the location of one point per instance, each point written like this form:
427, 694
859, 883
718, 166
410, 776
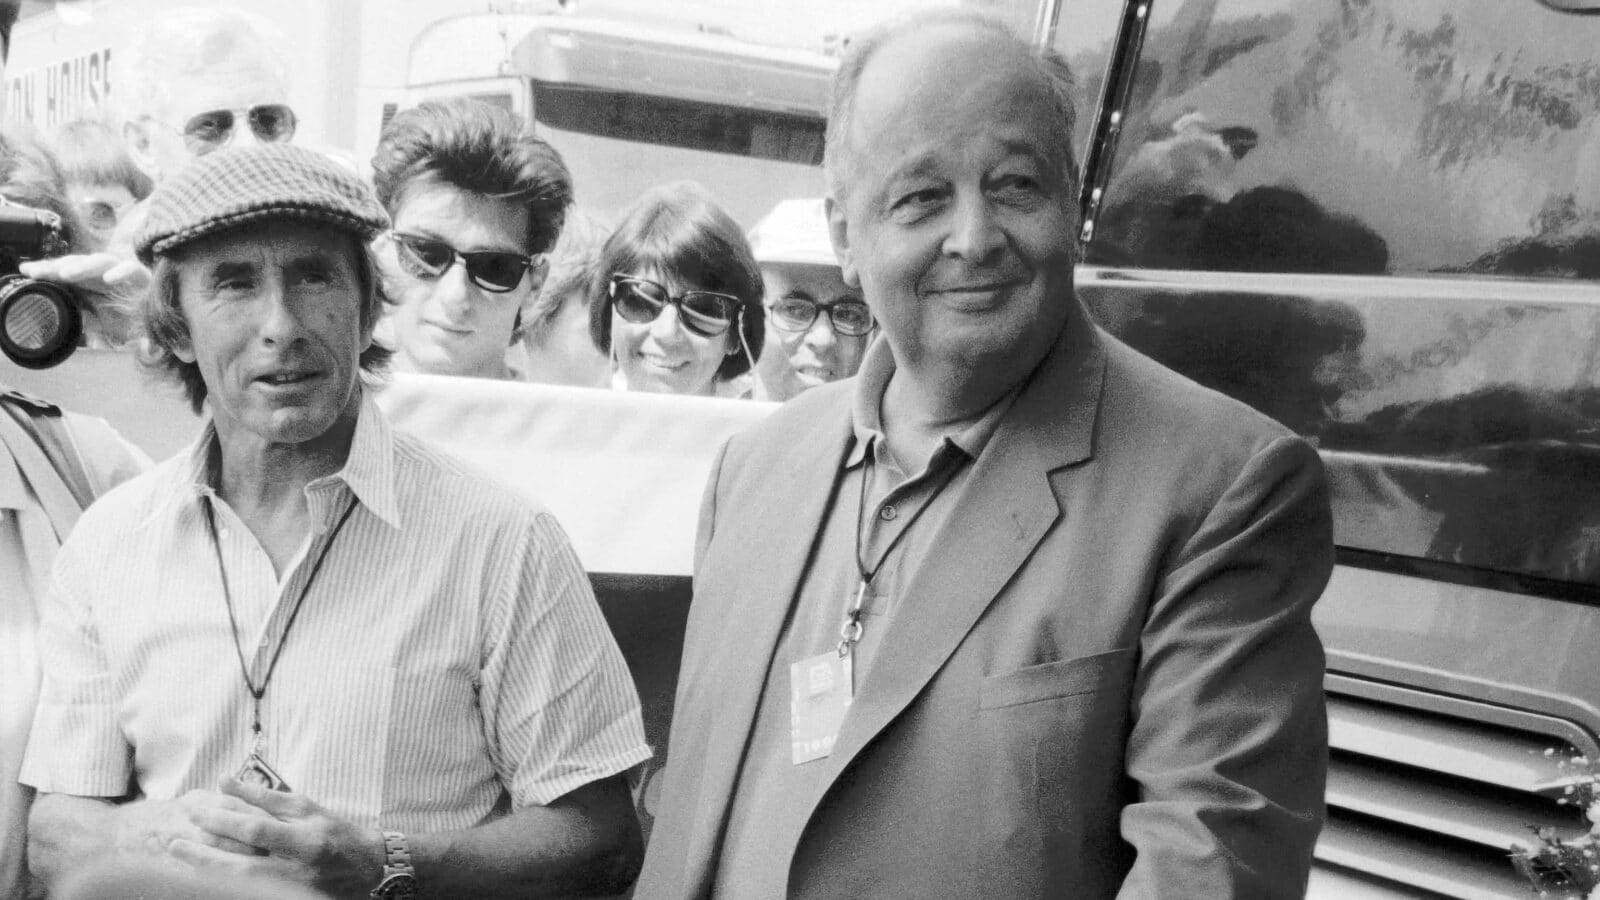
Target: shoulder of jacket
28, 402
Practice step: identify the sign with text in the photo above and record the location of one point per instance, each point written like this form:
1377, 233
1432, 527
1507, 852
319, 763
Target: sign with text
58, 92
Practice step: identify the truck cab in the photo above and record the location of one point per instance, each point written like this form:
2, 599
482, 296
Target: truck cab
639, 102
1378, 221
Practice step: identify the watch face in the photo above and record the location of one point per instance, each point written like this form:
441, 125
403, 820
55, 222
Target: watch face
399, 886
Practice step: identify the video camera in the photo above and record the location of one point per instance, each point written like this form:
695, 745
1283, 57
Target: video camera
40, 321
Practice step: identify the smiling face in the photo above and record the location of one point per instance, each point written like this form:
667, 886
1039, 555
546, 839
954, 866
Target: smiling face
662, 356
798, 360
958, 219
448, 325
274, 320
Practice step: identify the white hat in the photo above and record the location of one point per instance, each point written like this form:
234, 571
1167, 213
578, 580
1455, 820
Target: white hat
796, 231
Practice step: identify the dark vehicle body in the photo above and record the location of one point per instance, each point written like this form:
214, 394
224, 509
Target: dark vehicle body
1378, 221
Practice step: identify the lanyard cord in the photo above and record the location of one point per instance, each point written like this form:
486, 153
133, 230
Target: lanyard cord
227, 599
851, 629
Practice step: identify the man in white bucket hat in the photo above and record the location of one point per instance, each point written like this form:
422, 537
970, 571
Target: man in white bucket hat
822, 325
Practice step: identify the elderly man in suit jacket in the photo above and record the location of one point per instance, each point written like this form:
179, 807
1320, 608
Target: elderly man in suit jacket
1017, 612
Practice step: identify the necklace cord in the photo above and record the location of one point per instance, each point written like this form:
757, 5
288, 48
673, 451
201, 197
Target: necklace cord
233, 622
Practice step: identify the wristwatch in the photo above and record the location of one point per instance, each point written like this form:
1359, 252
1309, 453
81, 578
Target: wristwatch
399, 879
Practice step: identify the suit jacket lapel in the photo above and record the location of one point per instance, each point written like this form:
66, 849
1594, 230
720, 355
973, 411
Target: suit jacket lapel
1005, 508
751, 607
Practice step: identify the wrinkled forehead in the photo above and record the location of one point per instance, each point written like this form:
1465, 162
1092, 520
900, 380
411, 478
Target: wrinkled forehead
224, 84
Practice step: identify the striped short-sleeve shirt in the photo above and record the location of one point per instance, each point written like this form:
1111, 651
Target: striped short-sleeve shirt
449, 661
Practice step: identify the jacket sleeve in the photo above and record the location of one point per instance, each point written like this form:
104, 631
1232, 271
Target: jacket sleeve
1229, 746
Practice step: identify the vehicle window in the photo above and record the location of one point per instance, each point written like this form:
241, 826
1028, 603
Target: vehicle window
495, 98
676, 122
1379, 222
1421, 137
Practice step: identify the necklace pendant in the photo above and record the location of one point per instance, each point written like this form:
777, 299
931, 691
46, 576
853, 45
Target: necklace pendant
256, 771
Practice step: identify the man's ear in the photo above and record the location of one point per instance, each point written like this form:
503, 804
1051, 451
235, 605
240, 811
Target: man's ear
839, 235
183, 350
136, 136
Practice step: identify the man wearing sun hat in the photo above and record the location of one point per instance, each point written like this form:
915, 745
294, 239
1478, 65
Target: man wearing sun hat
822, 324
311, 648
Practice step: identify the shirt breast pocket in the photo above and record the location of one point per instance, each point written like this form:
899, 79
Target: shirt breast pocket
1060, 678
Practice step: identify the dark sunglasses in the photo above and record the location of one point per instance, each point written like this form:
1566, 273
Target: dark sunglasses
496, 271
269, 122
640, 300
851, 318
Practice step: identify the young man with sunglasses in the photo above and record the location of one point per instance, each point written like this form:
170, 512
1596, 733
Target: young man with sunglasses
476, 201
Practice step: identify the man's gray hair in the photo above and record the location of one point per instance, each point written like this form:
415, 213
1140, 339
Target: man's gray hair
1051, 66
189, 40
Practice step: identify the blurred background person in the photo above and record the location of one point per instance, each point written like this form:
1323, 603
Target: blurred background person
103, 181
30, 176
476, 201
675, 300
201, 78
820, 325
196, 79
557, 348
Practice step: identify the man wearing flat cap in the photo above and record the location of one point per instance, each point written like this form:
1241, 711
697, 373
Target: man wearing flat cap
310, 648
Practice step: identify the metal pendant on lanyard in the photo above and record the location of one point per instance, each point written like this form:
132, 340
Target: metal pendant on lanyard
255, 768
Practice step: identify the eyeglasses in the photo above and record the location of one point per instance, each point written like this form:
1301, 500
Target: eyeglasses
496, 271
270, 122
640, 301
851, 318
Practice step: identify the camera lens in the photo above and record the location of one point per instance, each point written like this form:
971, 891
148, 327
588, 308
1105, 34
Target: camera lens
39, 323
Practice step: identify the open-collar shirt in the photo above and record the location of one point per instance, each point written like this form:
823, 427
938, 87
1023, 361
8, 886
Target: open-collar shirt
449, 661
887, 528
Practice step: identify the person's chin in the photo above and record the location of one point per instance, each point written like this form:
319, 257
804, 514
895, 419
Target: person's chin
445, 340
811, 376
658, 379
294, 424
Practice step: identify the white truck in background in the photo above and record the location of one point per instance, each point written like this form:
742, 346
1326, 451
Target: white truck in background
631, 95
638, 102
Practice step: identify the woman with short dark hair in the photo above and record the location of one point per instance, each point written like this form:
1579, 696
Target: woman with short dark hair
676, 298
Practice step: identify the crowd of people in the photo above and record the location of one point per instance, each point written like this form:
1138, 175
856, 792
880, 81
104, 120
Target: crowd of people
465, 182
1015, 612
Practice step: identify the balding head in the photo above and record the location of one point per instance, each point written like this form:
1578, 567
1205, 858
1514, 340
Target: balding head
1042, 63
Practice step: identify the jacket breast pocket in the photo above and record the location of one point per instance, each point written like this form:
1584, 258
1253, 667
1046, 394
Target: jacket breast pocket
1060, 678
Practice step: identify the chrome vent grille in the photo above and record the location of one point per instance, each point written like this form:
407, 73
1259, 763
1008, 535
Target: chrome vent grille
1427, 794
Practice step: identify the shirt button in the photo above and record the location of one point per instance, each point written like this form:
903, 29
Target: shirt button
888, 513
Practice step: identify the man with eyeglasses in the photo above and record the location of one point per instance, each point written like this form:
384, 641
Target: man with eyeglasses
200, 79
196, 80
821, 324
476, 201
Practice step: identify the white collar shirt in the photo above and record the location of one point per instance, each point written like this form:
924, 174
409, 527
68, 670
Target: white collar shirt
449, 661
